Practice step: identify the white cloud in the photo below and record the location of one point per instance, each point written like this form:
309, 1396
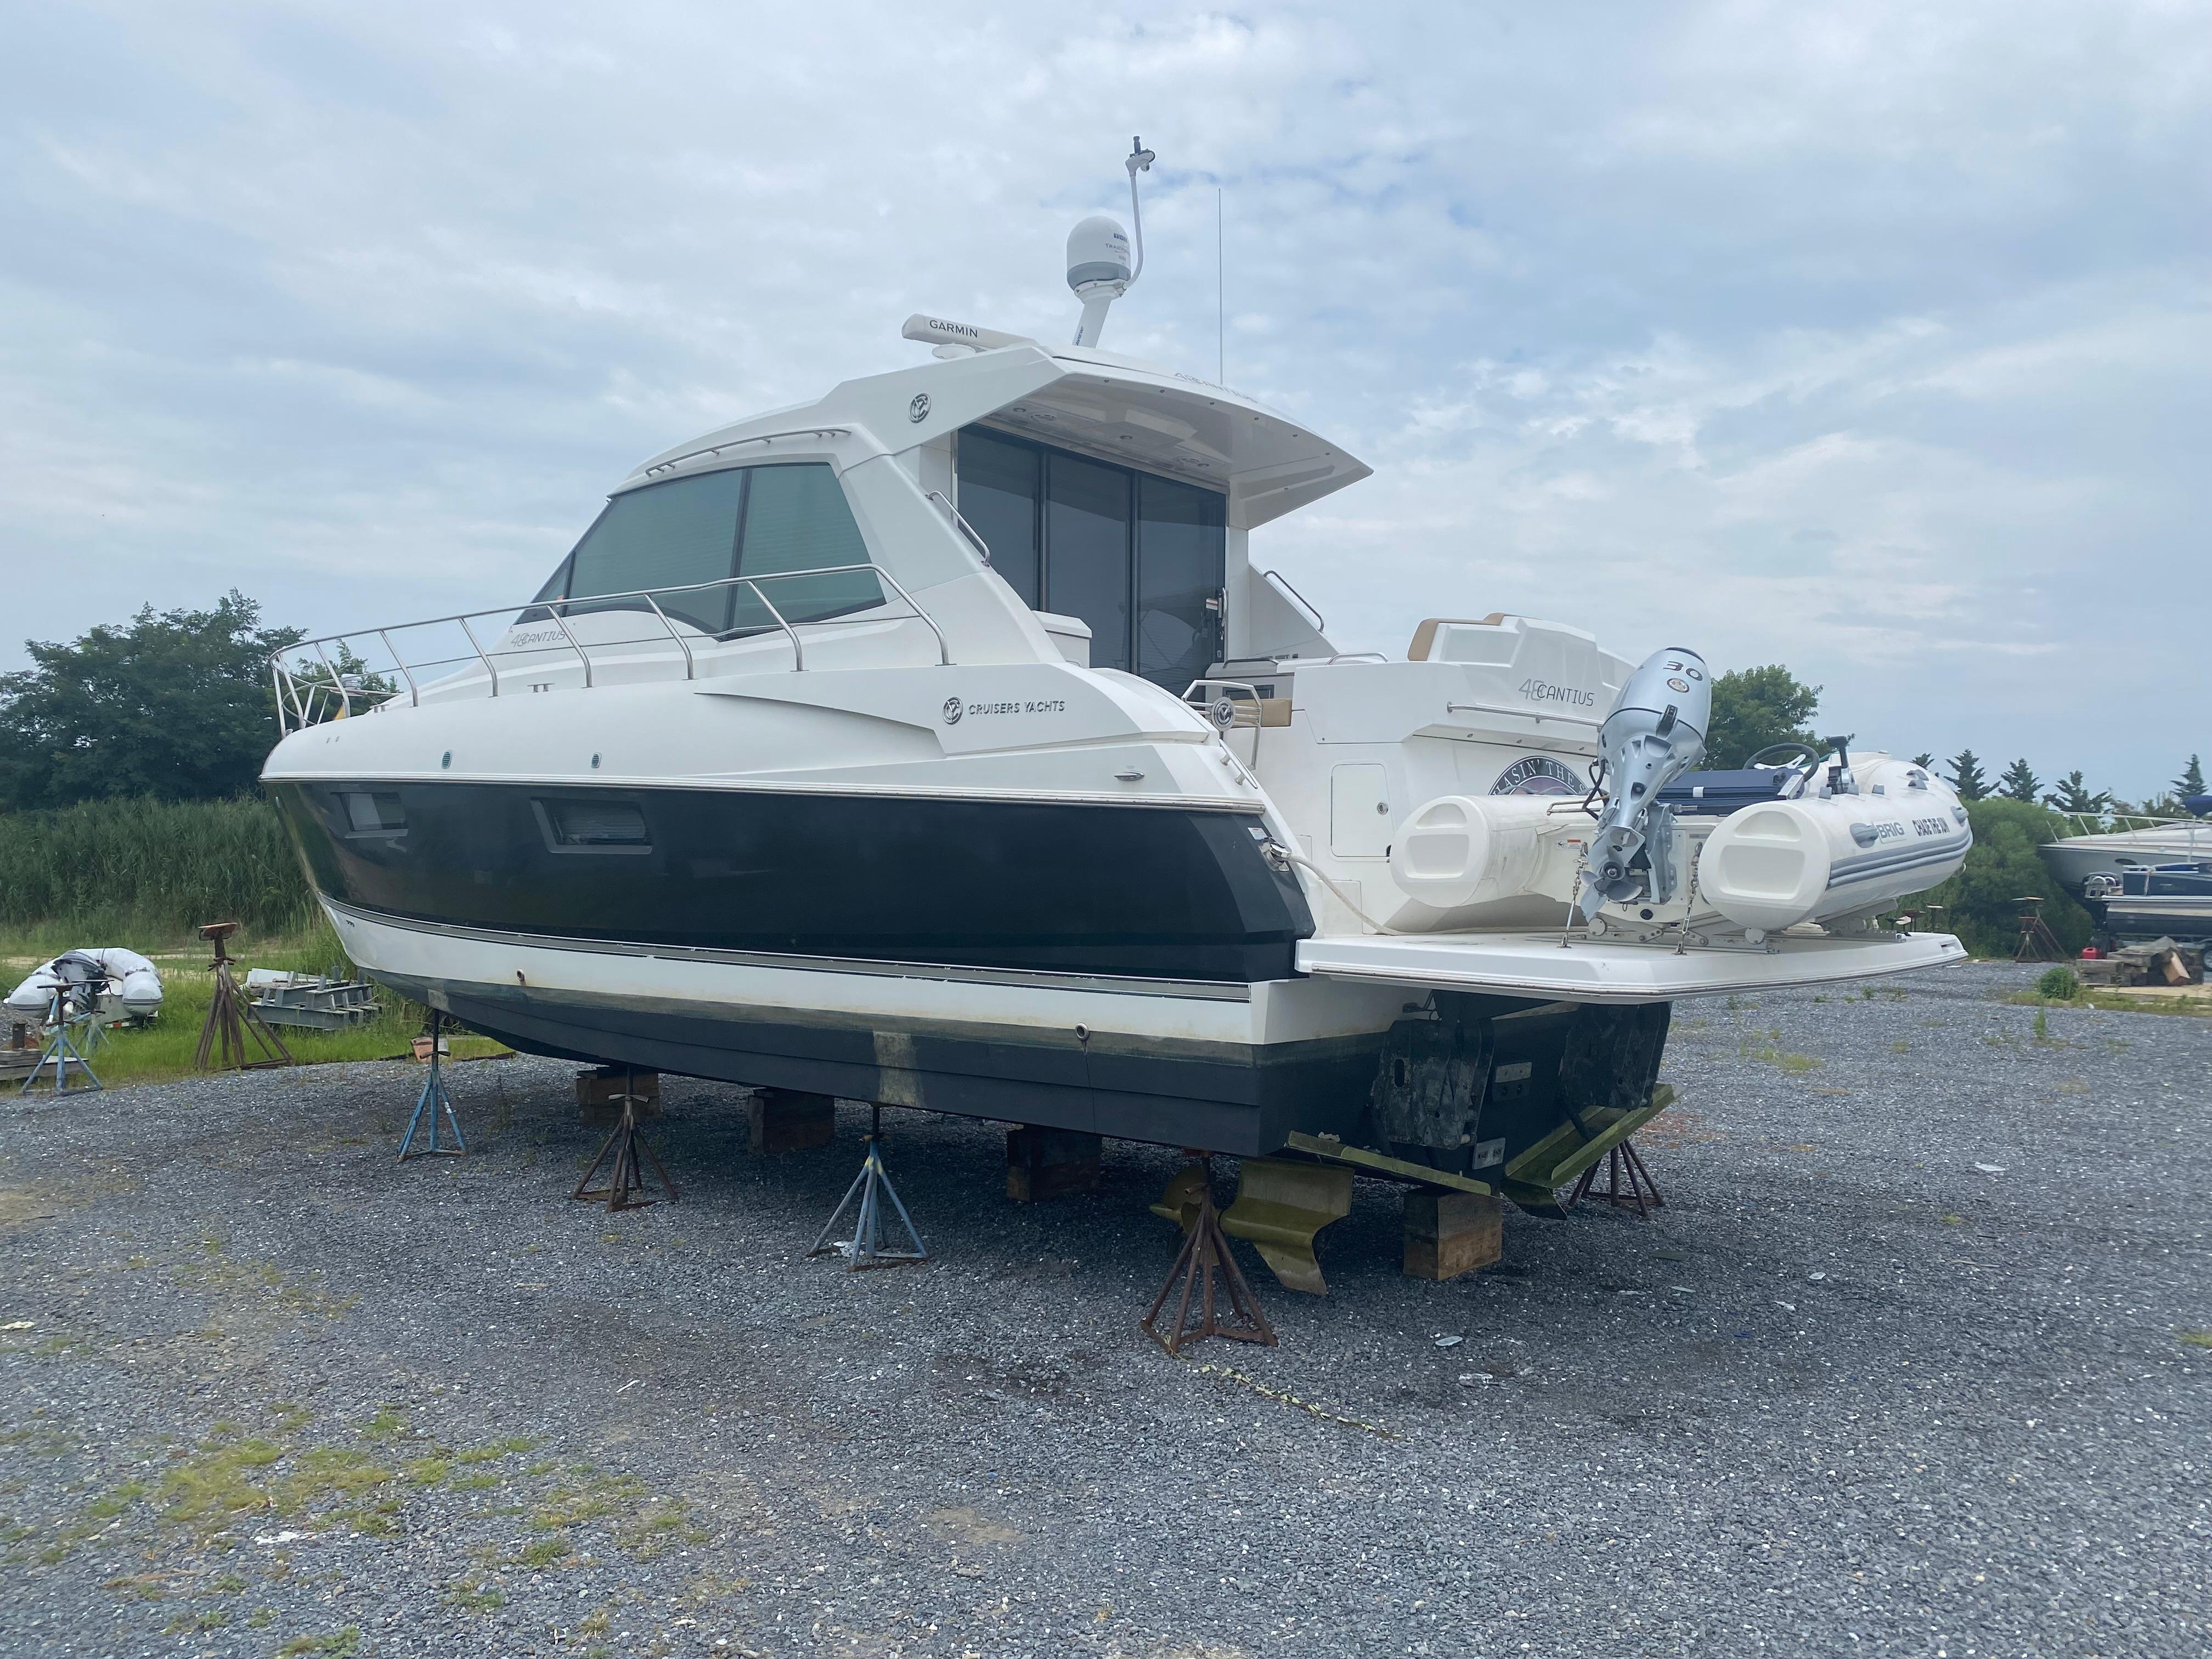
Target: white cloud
1873, 340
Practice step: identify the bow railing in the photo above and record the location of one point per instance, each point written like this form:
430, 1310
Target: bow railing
341, 675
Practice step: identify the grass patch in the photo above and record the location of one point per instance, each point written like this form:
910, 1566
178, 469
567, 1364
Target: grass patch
664, 1522
1766, 1051
338, 1644
2196, 1338
475, 1598
596, 1494
2196, 1007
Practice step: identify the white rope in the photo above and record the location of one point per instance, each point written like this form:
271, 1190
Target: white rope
1323, 876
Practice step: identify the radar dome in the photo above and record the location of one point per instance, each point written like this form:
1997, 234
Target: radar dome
1098, 256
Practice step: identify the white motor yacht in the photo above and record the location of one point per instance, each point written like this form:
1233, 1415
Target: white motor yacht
2113, 844
938, 743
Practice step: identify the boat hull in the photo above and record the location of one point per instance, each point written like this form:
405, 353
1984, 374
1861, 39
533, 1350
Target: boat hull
1228, 1067
1170, 892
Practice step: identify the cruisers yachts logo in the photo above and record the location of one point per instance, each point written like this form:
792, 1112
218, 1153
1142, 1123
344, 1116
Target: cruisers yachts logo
918, 410
952, 707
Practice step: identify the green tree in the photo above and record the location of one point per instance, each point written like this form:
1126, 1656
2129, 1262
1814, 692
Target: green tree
1755, 707
1981, 903
1967, 775
2191, 781
2019, 783
1925, 762
2072, 795
176, 705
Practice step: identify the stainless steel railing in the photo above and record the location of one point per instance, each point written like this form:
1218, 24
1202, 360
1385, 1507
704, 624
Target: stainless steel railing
313, 685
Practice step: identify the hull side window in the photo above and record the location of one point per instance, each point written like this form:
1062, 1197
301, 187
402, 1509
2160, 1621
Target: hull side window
593, 826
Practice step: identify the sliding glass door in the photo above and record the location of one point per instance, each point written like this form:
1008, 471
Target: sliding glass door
1138, 556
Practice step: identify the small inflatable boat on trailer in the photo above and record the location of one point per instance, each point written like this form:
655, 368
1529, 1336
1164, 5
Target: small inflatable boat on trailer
938, 743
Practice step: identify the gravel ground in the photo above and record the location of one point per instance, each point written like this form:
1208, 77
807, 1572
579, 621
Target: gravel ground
1855, 1391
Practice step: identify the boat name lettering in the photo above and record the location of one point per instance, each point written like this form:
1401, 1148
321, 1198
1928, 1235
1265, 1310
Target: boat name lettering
1545, 692
1033, 706
1930, 826
540, 636
1888, 830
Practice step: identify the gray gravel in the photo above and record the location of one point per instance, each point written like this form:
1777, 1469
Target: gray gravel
1851, 1393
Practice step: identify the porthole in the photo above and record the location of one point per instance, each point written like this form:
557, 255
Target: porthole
595, 763
446, 759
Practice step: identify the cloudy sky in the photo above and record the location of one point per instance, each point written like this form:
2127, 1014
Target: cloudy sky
1872, 339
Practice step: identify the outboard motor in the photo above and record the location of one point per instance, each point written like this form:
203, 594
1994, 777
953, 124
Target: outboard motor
1655, 732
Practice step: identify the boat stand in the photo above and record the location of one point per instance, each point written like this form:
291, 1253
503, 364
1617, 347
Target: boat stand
435, 1102
625, 1179
866, 1247
1642, 1192
2037, 942
231, 1018
61, 1052
1205, 1253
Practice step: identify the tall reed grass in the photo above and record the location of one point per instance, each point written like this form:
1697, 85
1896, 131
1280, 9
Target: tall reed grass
114, 872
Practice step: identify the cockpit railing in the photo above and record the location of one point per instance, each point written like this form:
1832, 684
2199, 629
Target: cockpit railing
330, 678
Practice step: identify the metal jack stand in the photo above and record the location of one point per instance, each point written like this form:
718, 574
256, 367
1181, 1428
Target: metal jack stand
2037, 942
62, 1053
865, 1248
625, 1180
1204, 1252
1642, 1192
434, 1101
231, 1018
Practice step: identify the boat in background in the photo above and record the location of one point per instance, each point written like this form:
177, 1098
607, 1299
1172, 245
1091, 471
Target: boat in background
2115, 843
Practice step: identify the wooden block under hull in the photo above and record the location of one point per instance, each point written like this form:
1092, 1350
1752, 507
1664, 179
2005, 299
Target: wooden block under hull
1448, 1234
598, 1095
790, 1120
1044, 1162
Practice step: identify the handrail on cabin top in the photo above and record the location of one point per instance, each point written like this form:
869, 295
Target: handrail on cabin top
297, 694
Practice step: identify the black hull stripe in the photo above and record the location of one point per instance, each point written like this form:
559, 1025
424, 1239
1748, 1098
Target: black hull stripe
1140, 892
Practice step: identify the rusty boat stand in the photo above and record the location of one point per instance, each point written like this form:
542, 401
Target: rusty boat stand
868, 1247
625, 1178
231, 1019
1641, 1192
435, 1102
1206, 1254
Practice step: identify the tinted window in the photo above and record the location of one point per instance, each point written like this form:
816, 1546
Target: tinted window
998, 491
796, 519
372, 814
1180, 550
1087, 567
1062, 532
665, 535
574, 826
